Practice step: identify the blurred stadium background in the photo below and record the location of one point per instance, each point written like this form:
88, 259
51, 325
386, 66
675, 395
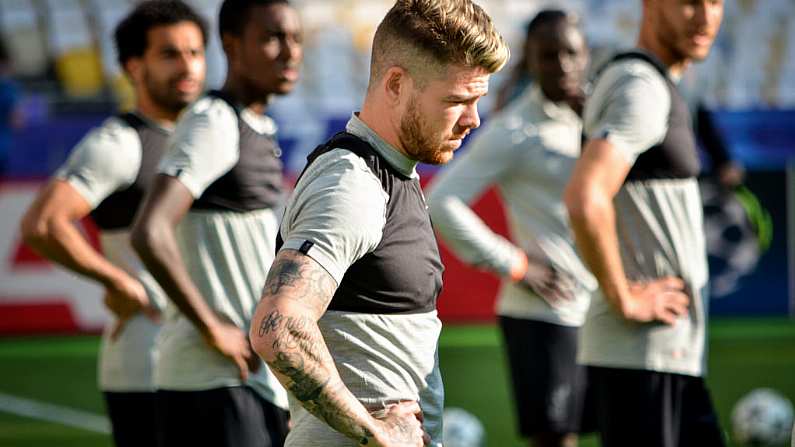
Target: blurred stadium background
63, 61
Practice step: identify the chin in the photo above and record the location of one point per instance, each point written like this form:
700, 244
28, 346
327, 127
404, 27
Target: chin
445, 157
441, 157
187, 99
284, 88
696, 53
700, 55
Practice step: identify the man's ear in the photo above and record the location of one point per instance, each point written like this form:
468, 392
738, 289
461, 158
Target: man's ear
397, 83
230, 44
134, 69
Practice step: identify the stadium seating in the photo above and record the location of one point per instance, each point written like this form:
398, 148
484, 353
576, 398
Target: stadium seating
22, 35
72, 44
752, 66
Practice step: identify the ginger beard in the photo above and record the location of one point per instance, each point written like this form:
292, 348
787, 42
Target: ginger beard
418, 138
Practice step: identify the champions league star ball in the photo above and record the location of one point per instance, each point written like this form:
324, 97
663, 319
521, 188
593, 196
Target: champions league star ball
462, 429
762, 417
731, 242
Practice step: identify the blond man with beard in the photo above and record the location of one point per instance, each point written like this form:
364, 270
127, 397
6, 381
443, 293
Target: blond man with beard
348, 317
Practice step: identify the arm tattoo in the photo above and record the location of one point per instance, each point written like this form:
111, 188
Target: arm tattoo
302, 357
298, 352
312, 285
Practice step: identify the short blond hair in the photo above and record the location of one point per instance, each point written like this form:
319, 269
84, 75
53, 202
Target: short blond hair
419, 35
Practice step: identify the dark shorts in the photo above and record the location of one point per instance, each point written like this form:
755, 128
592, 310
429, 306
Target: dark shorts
222, 417
653, 409
132, 418
549, 387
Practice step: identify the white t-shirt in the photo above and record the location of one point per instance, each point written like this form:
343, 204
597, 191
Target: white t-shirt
227, 254
105, 161
340, 205
528, 152
659, 224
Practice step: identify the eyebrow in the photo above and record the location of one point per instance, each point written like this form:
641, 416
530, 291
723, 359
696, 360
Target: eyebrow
464, 98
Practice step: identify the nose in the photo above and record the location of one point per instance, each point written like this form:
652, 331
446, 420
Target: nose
292, 50
565, 63
470, 119
701, 13
189, 59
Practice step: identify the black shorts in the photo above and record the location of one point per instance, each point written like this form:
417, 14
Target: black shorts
653, 409
132, 418
222, 417
549, 387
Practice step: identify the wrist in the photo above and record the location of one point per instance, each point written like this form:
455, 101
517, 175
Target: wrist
519, 267
623, 303
370, 432
113, 279
210, 330
626, 307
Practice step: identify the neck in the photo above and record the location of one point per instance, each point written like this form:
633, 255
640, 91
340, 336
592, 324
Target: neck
257, 102
147, 108
675, 63
378, 119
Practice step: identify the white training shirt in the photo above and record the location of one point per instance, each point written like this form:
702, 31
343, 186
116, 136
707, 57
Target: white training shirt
105, 161
659, 223
528, 152
227, 254
340, 205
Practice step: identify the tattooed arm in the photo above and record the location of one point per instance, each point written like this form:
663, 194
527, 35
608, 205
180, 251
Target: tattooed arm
285, 334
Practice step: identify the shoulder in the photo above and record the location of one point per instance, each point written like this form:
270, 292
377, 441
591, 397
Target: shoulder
114, 141
629, 75
342, 176
208, 111
107, 158
342, 167
506, 134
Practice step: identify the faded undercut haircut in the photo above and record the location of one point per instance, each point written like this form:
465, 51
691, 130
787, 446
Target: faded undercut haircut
425, 35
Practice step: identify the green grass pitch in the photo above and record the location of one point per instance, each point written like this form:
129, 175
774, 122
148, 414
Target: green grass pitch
744, 354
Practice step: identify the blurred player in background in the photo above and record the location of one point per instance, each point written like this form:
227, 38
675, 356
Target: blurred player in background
348, 317
528, 151
636, 212
161, 48
519, 78
207, 232
11, 116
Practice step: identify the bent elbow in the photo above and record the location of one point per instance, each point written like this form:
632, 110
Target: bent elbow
260, 343
583, 204
574, 198
143, 239
263, 343
35, 230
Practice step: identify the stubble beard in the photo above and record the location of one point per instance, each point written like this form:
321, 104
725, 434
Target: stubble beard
162, 95
416, 140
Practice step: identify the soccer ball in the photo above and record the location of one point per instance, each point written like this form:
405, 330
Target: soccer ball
762, 417
732, 245
462, 429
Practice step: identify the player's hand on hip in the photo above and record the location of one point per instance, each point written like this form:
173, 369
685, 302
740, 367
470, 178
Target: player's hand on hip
399, 425
664, 300
546, 281
125, 297
233, 343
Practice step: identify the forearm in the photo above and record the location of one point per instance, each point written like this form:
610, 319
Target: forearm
159, 251
59, 240
285, 334
294, 348
594, 227
471, 239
